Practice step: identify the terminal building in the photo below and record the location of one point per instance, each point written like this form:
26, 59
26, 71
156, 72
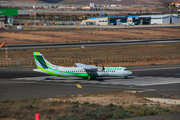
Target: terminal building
6, 16
143, 20
106, 20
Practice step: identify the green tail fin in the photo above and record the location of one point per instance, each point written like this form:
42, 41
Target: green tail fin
40, 61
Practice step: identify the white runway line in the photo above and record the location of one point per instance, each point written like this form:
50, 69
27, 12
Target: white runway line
135, 81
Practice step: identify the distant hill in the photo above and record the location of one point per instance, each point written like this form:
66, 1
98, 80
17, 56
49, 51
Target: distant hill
86, 2
52, 1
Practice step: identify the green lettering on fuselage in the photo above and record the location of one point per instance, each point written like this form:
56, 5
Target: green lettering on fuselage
113, 68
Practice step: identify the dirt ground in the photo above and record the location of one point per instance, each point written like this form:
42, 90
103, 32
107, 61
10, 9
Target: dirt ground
62, 54
95, 53
117, 98
65, 35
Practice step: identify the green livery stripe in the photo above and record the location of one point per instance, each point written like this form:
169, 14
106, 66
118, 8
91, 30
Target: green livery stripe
113, 68
53, 73
37, 53
41, 61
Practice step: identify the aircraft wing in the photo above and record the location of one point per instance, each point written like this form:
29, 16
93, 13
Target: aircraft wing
86, 66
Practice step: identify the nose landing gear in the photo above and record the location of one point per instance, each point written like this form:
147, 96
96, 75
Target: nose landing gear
89, 78
126, 77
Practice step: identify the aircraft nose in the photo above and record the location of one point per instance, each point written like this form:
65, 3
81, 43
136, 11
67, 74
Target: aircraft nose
129, 72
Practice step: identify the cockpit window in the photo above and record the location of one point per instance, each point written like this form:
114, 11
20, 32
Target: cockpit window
125, 69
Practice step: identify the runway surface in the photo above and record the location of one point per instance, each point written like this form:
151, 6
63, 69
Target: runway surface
91, 44
19, 83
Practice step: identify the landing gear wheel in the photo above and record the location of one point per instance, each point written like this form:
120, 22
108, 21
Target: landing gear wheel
126, 77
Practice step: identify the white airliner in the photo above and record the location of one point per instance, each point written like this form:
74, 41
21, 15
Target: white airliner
82, 70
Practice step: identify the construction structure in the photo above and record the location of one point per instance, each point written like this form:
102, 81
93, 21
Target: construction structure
27, 23
6, 49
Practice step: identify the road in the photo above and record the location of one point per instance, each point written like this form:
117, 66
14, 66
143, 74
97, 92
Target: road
90, 44
22, 12
104, 27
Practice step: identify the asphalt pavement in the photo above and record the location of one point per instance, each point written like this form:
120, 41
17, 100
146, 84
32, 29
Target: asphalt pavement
22, 82
15, 83
91, 44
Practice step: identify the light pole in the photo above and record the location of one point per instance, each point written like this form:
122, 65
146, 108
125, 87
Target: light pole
34, 14
70, 18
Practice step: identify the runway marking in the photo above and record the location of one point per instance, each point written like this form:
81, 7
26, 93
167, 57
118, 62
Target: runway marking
78, 85
17, 82
156, 68
132, 81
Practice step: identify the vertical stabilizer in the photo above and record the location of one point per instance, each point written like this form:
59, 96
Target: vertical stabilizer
40, 61
46, 67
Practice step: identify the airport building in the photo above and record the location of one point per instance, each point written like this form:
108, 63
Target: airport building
106, 20
143, 20
6, 16
162, 19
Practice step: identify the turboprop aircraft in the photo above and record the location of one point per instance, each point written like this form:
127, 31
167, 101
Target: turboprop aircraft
82, 70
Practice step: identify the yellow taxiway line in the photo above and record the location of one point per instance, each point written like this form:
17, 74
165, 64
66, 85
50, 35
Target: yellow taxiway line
78, 85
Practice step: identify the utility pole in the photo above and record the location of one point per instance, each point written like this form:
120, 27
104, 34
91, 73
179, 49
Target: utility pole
70, 18
34, 7
6, 49
170, 8
108, 14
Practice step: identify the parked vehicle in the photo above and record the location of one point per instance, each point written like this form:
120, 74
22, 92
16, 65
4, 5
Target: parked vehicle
83, 23
2, 28
20, 27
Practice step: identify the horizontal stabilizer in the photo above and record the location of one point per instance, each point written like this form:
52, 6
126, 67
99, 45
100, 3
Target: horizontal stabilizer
37, 70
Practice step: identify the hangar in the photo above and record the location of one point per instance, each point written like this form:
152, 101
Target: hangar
6, 16
162, 19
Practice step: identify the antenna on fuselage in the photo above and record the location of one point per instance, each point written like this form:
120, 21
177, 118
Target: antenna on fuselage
96, 64
103, 68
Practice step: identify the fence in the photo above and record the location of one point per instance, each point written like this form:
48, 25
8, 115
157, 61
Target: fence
114, 59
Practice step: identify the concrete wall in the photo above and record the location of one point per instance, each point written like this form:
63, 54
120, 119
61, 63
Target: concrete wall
129, 20
156, 21
2, 19
2, 23
175, 20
